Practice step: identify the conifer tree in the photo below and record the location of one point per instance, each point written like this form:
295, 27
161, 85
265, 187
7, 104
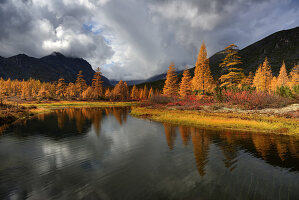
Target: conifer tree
107, 93
274, 84
80, 84
202, 79
230, 64
170, 86
97, 84
294, 76
134, 93
126, 92
185, 86
282, 79
71, 90
151, 93
263, 77
60, 92
141, 94
144, 92
88, 93
247, 80
120, 91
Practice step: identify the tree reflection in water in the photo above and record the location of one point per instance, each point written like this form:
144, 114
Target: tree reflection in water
276, 150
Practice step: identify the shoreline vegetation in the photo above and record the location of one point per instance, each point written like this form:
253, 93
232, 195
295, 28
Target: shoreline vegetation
271, 120
249, 120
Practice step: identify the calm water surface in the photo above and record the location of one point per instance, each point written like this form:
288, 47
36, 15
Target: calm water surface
104, 153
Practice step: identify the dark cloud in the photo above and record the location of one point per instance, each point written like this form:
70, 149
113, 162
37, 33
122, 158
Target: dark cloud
135, 39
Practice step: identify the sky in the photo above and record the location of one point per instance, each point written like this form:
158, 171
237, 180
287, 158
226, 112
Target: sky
136, 39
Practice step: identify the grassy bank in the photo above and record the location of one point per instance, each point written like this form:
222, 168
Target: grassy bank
253, 122
10, 113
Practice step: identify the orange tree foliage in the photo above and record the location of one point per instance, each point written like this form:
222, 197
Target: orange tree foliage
294, 76
230, 65
61, 88
151, 93
97, 84
120, 91
202, 80
185, 85
263, 77
282, 79
170, 86
80, 84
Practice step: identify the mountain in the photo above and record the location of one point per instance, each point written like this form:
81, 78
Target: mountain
277, 47
48, 68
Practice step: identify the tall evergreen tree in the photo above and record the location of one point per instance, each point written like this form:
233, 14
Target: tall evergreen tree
230, 64
61, 87
170, 86
294, 76
97, 84
185, 86
202, 79
282, 79
80, 84
134, 93
263, 77
151, 93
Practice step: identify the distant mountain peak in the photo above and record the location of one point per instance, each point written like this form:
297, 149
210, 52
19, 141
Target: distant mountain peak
55, 53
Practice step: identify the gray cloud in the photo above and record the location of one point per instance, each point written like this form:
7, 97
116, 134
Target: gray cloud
136, 39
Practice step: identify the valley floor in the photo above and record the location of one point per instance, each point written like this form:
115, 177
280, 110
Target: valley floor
273, 120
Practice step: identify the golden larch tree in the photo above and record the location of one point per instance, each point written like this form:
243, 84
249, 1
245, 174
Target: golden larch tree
282, 79
151, 93
134, 93
294, 80
144, 92
185, 85
61, 88
230, 65
263, 77
80, 84
202, 80
97, 84
107, 93
170, 86
141, 94
274, 84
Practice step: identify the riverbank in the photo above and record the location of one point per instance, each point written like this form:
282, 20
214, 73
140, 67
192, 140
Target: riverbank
249, 121
9, 113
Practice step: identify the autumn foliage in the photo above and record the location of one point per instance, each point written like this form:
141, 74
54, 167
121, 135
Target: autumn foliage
259, 89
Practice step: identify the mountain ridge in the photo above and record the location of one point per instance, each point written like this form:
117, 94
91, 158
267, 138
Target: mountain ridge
47, 69
280, 46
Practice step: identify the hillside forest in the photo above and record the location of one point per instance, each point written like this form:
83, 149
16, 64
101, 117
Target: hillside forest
257, 89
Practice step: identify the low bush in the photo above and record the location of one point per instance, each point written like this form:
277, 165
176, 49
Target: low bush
284, 91
254, 99
161, 99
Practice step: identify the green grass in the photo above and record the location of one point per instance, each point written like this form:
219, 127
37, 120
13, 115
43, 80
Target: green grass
251, 122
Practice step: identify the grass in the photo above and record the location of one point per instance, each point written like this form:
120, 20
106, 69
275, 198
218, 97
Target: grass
65, 104
252, 122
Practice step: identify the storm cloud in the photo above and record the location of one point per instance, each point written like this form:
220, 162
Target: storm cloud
135, 39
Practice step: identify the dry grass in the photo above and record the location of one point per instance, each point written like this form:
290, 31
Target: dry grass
252, 122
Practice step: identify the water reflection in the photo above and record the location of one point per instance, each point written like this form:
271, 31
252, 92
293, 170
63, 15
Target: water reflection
98, 153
